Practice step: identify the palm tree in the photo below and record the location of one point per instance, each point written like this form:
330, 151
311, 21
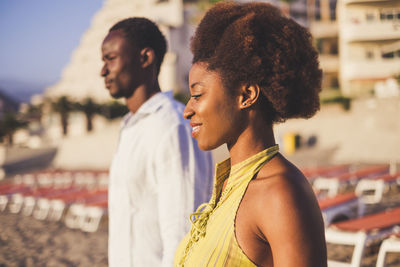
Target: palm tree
34, 112
90, 108
113, 110
9, 124
63, 106
397, 77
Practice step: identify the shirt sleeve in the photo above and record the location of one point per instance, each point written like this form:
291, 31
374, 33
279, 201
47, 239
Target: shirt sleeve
175, 175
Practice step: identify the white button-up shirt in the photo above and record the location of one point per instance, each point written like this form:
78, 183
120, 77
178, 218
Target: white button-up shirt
157, 178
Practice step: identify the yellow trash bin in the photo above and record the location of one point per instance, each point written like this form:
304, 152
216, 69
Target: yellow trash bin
289, 143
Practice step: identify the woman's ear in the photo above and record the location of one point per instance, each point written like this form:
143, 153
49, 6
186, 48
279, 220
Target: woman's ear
147, 57
248, 95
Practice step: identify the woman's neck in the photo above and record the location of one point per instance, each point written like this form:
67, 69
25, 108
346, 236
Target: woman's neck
257, 137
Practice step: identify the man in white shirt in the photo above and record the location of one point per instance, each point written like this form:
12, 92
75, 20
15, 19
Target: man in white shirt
158, 175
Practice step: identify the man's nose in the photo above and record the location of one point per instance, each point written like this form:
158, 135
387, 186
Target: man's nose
104, 71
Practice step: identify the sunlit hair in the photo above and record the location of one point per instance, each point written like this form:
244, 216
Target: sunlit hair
144, 33
254, 44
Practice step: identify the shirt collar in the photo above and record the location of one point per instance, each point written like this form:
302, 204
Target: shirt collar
150, 106
154, 103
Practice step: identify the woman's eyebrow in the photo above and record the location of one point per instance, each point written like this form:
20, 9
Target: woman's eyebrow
195, 84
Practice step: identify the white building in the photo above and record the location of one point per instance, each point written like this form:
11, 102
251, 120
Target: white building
369, 43
81, 78
324, 28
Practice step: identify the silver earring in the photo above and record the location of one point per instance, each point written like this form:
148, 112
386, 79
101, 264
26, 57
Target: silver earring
244, 104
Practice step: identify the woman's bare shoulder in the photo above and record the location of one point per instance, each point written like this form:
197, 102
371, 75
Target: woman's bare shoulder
280, 181
284, 209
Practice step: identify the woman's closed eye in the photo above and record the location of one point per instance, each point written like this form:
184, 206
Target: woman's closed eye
196, 96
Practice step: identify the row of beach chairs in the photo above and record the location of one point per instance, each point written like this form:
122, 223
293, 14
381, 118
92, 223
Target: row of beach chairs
354, 243
361, 211
360, 206
79, 198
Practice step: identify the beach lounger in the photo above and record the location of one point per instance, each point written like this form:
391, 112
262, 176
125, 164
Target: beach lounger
21, 200
102, 180
55, 203
25, 201
52, 204
94, 213
332, 186
340, 208
6, 197
371, 191
59, 204
87, 214
16, 202
350, 242
3, 202
30, 199
4, 187
86, 179
389, 252
325, 171
86, 217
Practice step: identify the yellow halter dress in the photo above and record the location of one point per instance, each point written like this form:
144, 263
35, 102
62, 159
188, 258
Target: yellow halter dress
212, 240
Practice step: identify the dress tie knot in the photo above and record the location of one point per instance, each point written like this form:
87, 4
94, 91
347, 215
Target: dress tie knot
199, 221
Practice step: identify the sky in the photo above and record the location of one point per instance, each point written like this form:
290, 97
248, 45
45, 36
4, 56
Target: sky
38, 37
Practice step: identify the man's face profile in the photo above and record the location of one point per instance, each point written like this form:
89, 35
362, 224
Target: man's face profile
121, 65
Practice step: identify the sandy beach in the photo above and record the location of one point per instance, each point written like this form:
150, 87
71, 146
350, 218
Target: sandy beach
25, 241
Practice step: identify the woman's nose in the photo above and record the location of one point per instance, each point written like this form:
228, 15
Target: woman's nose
188, 112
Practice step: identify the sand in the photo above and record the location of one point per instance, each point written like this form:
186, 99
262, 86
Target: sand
342, 137
25, 241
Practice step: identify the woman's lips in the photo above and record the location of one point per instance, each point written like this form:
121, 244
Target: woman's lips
195, 128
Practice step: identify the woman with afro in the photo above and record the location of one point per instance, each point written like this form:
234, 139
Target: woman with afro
252, 67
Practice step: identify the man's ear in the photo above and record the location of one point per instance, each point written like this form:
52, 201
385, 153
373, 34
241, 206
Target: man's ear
147, 57
248, 95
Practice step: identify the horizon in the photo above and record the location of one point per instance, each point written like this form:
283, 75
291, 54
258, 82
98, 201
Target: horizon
38, 40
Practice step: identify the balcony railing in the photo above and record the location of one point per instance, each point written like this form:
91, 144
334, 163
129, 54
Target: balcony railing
324, 29
370, 69
370, 31
363, 1
329, 63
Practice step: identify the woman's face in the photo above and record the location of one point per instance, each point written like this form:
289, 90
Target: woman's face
213, 112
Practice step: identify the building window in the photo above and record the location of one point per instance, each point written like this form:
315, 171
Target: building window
390, 14
317, 14
319, 46
332, 8
334, 48
370, 16
388, 55
335, 82
369, 54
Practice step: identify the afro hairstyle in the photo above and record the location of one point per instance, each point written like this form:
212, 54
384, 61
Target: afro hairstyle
254, 44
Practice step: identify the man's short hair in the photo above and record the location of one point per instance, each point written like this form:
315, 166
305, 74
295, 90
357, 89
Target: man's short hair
144, 33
